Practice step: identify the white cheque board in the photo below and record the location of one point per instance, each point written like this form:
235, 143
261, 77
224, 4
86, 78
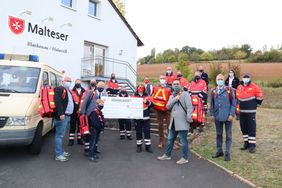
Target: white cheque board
123, 108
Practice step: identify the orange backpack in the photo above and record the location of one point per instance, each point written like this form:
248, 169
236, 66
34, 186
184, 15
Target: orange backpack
47, 105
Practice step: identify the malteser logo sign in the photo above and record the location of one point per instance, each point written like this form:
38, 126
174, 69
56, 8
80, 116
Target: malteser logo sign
17, 26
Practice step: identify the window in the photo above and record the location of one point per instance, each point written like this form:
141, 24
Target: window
53, 79
92, 8
68, 3
17, 79
59, 80
45, 79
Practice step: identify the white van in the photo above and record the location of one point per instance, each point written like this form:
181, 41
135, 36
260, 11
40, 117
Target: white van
20, 83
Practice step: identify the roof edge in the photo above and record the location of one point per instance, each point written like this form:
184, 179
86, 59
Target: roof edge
139, 42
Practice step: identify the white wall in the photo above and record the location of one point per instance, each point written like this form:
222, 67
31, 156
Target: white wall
109, 31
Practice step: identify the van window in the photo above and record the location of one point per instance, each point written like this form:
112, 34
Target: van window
45, 79
53, 79
59, 80
18, 79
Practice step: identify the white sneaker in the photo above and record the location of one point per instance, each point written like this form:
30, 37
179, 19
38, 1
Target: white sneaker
66, 154
61, 158
182, 161
164, 157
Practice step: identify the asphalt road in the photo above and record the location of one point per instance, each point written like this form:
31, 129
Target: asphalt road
119, 166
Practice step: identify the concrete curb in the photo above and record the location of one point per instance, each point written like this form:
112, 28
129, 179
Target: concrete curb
225, 169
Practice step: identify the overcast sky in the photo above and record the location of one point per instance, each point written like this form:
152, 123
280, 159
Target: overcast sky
206, 24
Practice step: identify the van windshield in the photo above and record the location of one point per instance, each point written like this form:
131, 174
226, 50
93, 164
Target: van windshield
17, 79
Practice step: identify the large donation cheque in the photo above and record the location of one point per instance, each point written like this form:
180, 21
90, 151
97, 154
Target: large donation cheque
123, 108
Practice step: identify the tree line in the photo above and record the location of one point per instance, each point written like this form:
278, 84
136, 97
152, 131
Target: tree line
187, 53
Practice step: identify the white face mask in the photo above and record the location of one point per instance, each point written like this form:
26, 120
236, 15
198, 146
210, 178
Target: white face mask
162, 81
231, 75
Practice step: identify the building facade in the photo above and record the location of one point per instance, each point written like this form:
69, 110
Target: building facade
86, 38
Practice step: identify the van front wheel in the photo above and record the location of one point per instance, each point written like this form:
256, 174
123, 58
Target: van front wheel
35, 146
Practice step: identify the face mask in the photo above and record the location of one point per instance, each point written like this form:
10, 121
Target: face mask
219, 83
231, 75
93, 85
100, 107
197, 78
146, 81
169, 72
78, 85
100, 89
162, 81
140, 94
176, 89
246, 80
179, 75
112, 77
67, 85
201, 71
140, 89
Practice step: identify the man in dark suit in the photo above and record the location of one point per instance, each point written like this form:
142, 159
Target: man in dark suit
64, 109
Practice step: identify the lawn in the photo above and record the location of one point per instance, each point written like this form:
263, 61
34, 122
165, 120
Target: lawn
264, 168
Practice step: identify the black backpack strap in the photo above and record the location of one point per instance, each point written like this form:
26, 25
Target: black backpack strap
90, 99
182, 107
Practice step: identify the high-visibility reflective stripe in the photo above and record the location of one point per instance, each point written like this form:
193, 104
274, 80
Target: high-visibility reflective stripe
245, 136
86, 147
147, 142
145, 118
86, 132
248, 111
71, 138
71, 134
163, 94
195, 91
158, 104
86, 143
78, 137
139, 142
157, 94
145, 108
245, 139
252, 138
252, 141
247, 99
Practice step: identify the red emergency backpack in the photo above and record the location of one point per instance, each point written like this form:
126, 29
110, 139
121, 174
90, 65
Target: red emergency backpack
83, 119
198, 114
47, 105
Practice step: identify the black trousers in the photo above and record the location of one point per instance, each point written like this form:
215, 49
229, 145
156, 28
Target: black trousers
95, 134
124, 127
143, 126
248, 128
74, 127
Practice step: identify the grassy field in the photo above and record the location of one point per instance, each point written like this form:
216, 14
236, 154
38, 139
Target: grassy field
264, 168
259, 71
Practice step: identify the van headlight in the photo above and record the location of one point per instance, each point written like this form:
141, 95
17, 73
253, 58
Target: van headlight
18, 121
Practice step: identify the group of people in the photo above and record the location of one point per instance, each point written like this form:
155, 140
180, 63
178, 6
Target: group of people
172, 101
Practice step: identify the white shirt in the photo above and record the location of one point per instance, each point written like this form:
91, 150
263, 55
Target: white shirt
230, 81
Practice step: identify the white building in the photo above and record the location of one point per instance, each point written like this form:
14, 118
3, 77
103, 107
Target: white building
86, 38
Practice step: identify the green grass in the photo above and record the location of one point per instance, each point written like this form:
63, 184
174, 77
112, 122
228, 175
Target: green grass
264, 168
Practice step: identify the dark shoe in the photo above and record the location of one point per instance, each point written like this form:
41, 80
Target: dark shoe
129, 138
227, 157
252, 150
80, 142
97, 151
122, 137
139, 149
149, 149
216, 155
71, 142
245, 147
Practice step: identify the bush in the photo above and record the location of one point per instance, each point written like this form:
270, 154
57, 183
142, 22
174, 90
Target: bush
215, 69
206, 56
184, 67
